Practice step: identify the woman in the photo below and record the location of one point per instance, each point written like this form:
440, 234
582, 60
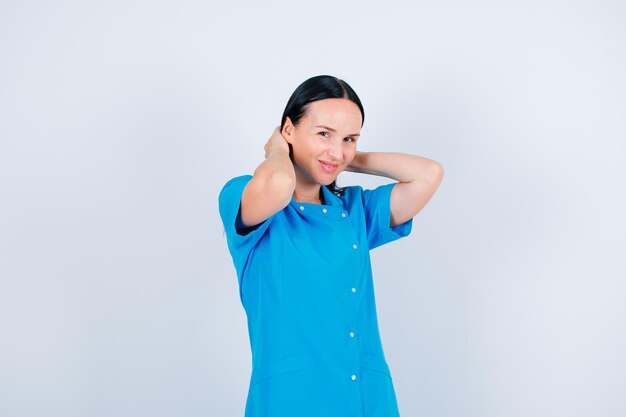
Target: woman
300, 246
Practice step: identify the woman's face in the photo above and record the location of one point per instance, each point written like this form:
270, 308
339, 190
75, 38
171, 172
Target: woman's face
324, 142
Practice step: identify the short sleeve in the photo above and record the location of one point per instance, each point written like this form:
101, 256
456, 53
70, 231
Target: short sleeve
241, 240
377, 210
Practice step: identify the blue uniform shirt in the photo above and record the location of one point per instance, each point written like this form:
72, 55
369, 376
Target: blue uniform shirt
305, 283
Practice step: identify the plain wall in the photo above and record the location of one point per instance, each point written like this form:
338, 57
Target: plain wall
121, 120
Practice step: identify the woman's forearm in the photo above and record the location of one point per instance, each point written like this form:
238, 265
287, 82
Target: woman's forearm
401, 167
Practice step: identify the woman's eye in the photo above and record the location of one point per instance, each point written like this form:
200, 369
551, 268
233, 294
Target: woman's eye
350, 138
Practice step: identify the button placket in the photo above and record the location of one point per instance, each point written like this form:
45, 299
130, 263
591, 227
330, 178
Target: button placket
351, 333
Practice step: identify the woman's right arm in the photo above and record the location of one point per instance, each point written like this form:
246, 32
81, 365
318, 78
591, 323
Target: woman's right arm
272, 184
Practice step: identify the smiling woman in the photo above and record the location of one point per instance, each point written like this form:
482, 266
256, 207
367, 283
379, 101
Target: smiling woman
320, 152
320, 106
300, 246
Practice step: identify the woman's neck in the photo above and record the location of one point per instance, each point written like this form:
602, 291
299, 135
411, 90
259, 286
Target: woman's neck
309, 194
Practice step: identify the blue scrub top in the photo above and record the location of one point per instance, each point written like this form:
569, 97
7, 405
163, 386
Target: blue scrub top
305, 283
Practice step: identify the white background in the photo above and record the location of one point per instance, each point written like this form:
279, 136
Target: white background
121, 120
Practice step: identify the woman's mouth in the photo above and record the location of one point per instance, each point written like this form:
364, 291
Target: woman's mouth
330, 168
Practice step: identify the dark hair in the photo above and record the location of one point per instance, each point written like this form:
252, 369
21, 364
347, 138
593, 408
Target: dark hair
316, 88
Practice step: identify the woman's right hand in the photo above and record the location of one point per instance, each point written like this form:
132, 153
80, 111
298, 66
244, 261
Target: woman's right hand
276, 142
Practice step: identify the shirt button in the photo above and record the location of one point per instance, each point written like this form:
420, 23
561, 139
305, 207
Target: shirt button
355, 246
351, 334
353, 289
353, 377
324, 210
301, 207
343, 214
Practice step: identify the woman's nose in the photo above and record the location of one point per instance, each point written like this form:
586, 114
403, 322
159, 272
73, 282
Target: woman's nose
336, 151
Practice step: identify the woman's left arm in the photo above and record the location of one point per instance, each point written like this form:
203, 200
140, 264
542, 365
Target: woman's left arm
418, 179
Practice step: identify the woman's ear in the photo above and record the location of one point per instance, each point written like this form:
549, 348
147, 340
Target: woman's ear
288, 130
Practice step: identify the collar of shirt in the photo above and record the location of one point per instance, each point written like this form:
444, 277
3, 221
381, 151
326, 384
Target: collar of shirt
333, 209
